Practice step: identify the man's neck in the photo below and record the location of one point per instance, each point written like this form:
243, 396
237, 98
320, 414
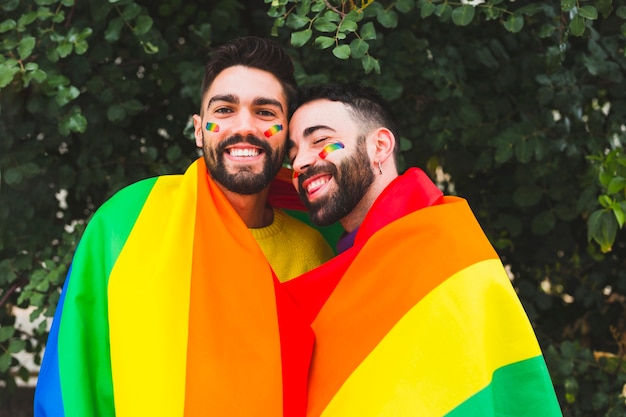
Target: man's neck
253, 208
353, 220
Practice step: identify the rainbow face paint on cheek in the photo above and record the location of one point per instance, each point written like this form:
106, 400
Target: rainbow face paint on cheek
273, 130
212, 127
331, 147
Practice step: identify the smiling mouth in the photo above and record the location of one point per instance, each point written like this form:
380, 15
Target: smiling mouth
316, 183
244, 152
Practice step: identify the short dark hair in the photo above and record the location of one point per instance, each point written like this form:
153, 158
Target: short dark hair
253, 52
365, 104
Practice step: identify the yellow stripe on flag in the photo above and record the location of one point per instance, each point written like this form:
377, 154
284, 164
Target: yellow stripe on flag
443, 351
148, 308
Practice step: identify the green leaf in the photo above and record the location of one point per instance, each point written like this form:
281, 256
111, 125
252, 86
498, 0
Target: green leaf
16, 345
323, 24
588, 12
26, 19
348, 26
388, 18
6, 332
131, 11
342, 51
7, 25
66, 94
173, 153
295, 21
427, 8
133, 106
77, 123
64, 48
323, 42
370, 64
13, 176
620, 216
7, 72
80, 47
298, 39
602, 228
443, 11
358, 48
616, 185
143, 25
5, 361
25, 47
567, 5
514, 23
462, 16
113, 30
368, 31
150, 48
577, 25
543, 223
527, 195
116, 113
524, 150
404, 6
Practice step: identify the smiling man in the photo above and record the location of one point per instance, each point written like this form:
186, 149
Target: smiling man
170, 307
416, 316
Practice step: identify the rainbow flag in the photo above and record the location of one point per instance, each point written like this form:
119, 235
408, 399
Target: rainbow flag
419, 318
168, 306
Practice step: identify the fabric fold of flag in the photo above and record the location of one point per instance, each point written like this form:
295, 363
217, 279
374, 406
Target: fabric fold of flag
168, 305
419, 318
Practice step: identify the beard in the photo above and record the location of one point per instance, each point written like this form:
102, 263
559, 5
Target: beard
245, 180
353, 177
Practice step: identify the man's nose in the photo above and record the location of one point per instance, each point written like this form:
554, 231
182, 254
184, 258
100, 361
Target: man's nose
303, 161
246, 124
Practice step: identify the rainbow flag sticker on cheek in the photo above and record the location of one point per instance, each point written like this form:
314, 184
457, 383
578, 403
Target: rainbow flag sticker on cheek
331, 147
212, 127
273, 130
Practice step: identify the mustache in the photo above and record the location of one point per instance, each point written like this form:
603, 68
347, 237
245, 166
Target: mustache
251, 139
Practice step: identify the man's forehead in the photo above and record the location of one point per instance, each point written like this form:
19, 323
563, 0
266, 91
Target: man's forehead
319, 115
246, 83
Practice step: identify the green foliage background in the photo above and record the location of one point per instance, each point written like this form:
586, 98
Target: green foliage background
518, 106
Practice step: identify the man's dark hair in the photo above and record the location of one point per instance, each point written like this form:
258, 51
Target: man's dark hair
365, 104
253, 52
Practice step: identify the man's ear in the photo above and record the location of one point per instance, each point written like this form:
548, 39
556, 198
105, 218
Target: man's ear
197, 130
384, 144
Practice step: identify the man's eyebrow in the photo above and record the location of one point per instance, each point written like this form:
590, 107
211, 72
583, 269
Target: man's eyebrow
229, 98
265, 101
310, 130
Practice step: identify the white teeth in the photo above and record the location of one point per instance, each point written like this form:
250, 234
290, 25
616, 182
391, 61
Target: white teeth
244, 152
316, 183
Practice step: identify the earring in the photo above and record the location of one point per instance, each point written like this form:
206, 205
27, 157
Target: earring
380, 168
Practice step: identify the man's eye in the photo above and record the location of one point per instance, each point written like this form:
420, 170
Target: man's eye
267, 113
320, 140
223, 110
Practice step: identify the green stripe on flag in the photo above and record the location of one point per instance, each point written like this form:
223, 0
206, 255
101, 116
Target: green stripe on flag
84, 357
522, 389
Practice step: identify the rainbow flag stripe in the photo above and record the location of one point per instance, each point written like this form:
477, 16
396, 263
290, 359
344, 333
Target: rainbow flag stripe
430, 327
331, 147
147, 328
212, 127
273, 130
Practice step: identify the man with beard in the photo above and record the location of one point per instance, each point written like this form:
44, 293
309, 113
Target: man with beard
170, 307
416, 316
